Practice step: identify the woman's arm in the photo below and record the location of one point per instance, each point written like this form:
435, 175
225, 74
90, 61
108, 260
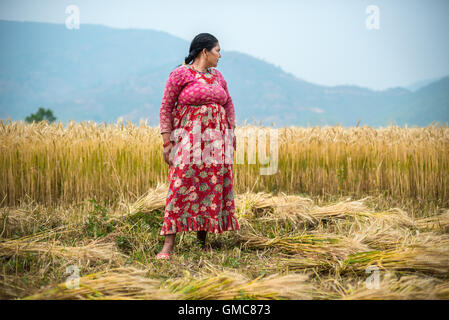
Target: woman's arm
175, 83
165, 137
229, 105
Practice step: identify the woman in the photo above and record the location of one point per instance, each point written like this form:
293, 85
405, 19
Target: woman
196, 103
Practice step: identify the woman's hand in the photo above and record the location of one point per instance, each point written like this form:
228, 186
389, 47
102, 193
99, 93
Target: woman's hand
166, 154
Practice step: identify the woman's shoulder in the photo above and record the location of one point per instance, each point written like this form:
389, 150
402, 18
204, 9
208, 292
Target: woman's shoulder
180, 72
219, 75
180, 69
216, 71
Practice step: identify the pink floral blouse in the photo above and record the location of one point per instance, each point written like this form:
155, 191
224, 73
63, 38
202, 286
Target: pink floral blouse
185, 87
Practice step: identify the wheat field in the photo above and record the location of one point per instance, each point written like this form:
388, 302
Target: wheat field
351, 213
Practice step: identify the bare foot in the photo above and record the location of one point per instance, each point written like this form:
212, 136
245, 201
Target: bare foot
167, 249
168, 244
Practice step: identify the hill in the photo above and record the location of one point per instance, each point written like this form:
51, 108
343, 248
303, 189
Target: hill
100, 73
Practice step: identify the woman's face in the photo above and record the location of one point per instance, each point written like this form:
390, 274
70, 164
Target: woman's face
213, 56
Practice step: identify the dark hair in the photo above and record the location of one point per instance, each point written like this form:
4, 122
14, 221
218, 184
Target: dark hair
201, 41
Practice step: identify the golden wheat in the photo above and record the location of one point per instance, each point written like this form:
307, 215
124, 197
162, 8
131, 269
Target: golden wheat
51, 163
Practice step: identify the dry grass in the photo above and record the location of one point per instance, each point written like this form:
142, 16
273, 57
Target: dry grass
319, 252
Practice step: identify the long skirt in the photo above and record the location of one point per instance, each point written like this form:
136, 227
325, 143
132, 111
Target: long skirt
201, 188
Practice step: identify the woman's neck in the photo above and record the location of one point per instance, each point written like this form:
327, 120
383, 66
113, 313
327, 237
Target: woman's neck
200, 67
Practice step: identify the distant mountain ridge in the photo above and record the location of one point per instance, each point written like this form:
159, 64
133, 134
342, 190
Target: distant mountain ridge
422, 83
100, 73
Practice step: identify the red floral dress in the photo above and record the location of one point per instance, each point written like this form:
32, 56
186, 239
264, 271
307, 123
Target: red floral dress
198, 112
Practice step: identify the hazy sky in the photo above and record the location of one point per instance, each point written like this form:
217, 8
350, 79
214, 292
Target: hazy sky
321, 41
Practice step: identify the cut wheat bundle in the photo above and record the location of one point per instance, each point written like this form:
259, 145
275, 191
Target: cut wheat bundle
96, 250
329, 247
124, 283
227, 285
298, 209
438, 222
419, 258
394, 237
389, 286
152, 200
